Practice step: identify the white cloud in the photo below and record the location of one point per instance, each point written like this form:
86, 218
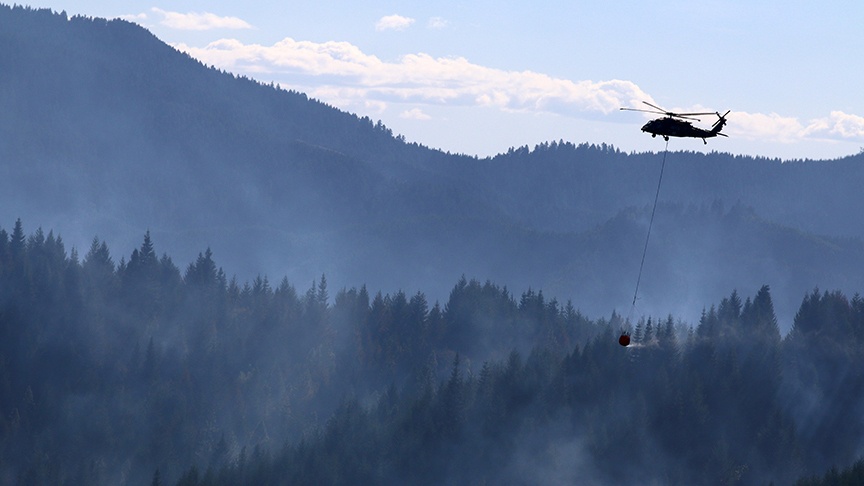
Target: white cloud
437, 23
777, 128
374, 106
341, 74
342, 67
198, 21
759, 126
838, 124
393, 22
137, 18
289, 57
414, 114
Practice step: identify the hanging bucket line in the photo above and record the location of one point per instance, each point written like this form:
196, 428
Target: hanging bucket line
648, 236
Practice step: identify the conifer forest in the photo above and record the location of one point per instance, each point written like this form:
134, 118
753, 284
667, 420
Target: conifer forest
139, 372
208, 280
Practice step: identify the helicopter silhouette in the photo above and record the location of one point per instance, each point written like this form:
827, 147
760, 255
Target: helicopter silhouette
673, 124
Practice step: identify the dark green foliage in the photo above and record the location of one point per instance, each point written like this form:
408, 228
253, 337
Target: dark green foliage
823, 356
851, 476
134, 363
157, 479
108, 371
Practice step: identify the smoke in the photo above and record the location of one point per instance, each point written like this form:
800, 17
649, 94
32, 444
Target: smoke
547, 459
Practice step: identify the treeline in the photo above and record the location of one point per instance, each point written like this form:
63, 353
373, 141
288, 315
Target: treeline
718, 404
109, 370
138, 372
702, 411
851, 476
727, 404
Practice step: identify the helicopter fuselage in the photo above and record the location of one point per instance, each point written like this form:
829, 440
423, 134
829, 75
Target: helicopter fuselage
673, 124
671, 127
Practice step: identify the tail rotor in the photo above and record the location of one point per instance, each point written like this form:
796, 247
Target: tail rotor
720, 123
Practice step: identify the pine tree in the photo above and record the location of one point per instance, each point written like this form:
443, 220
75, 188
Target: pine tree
17, 243
666, 335
762, 317
639, 331
98, 255
157, 479
322, 297
147, 254
452, 403
203, 272
649, 332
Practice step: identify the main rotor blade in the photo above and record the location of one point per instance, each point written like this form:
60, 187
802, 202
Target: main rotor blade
660, 111
645, 111
667, 113
655, 107
679, 115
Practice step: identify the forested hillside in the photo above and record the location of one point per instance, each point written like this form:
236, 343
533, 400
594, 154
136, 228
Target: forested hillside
138, 372
106, 131
389, 313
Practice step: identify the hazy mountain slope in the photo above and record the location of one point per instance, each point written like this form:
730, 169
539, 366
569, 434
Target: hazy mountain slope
699, 252
573, 187
106, 131
105, 125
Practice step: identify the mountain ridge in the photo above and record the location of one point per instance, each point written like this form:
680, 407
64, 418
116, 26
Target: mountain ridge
109, 132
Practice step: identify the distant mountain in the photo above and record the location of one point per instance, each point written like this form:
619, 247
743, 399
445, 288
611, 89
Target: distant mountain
106, 131
569, 187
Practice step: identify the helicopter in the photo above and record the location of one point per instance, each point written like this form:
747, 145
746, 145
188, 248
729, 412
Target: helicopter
673, 124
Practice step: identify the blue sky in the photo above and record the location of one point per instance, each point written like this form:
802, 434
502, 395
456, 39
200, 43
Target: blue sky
478, 77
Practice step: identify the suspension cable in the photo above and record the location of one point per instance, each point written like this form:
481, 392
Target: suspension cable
650, 224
